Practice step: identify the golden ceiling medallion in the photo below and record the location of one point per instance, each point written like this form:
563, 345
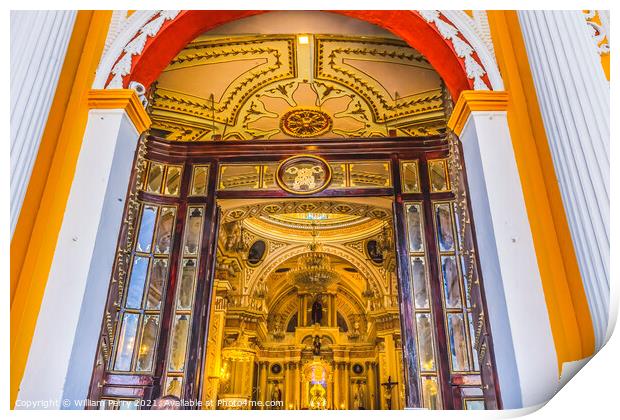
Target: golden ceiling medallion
304, 174
304, 123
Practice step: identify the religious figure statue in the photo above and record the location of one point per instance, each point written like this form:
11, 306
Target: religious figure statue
276, 394
358, 397
316, 345
317, 311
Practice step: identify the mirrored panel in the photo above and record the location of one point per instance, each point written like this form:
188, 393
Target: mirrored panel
239, 177
438, 173
186, 284
458, 342
200, 178
157, 283
178, 343
425, 342
155, 178
165, 225
445, 235
146, 350
126, 342
450, 275
135, 289
370, 174
173, 181
193, 229
409, 177
413, 215
147, 225
420, 291
430, 393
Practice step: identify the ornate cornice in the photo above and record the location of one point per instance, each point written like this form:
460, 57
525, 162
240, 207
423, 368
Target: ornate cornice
475, 100
123, 99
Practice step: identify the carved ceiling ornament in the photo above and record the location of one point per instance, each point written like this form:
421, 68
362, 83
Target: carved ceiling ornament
274, 99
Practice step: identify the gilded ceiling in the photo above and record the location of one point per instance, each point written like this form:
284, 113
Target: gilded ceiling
296, 86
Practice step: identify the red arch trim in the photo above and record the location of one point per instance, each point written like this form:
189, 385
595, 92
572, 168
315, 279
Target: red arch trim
408, 25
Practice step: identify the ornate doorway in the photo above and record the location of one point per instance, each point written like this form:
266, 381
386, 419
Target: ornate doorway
168, 309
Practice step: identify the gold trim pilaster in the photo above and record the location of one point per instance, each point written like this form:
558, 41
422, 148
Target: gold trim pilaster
475, 100
125, 99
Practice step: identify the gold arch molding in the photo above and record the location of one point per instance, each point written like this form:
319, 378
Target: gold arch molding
367, 271
273, 87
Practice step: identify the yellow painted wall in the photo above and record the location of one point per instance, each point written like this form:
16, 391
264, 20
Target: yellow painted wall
569, 314
34, 240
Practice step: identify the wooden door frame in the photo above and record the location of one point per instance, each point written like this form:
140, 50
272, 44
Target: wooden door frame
221, 152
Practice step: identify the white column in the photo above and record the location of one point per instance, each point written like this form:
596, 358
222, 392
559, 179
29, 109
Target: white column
573, 94
39, 41
525, 354
64, 344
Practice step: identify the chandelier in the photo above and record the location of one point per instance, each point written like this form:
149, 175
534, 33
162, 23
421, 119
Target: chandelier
314, 270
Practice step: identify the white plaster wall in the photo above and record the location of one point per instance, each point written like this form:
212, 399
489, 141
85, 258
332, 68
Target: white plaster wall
61, 356
524, 348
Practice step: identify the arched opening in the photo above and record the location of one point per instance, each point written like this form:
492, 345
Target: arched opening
300, 118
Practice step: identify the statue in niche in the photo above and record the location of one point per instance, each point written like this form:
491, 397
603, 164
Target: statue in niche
358, 396
276, 394
233, 235
316, 345
317, 311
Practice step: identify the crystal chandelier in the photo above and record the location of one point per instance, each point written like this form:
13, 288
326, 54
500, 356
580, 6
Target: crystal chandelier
314, 269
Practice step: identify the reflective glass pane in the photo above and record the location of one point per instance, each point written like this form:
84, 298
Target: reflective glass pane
410, 178
147, 225
239, 177
186, 284
414, 227
474, 405
371, 174
458, 342
155, 178
163, 238
173, 181
126, 342
178, 346
450, 277
157, 282
472, 337
338, 175
150, 327
444, 227
199, 180
439, 175
420, 292
135, 289
425, 342
430, 393
173, 386
192, 233
466, 286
